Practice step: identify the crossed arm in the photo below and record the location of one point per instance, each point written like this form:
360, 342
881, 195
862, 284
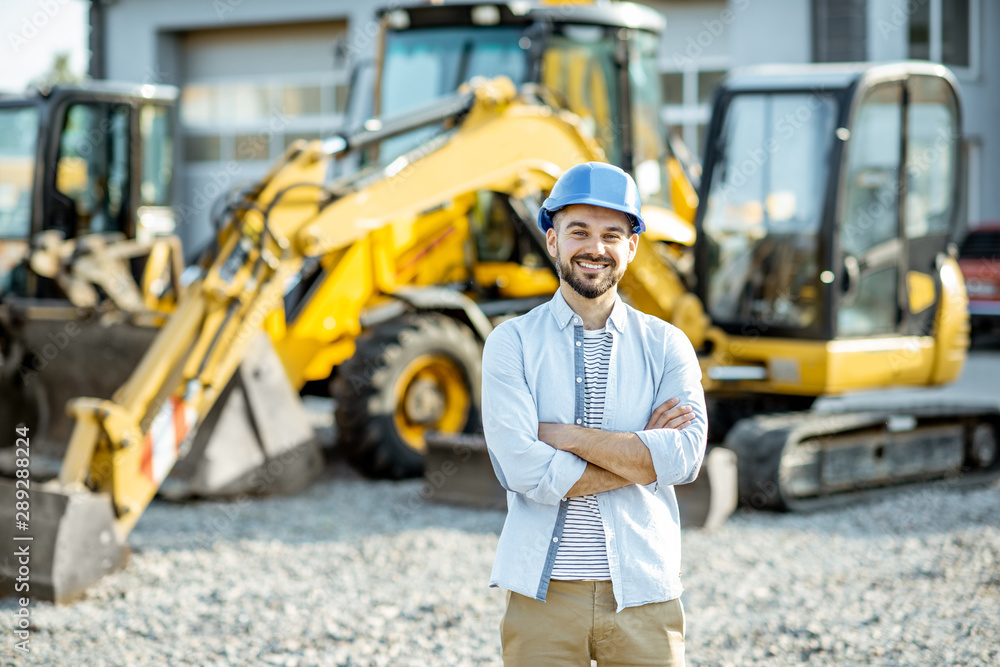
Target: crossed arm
613, 459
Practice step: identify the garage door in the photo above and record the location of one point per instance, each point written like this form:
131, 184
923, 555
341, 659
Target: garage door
247, 93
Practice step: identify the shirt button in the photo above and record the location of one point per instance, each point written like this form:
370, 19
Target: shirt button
576, 320
555, 539
579, 379
578, 343
579, 421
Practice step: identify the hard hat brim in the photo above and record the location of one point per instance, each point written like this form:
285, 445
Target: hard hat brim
552, 206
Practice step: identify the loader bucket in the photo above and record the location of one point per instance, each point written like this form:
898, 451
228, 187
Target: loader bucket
69, 544
458, 467
68, 352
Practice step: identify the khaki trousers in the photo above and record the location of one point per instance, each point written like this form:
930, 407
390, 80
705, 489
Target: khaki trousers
577, 623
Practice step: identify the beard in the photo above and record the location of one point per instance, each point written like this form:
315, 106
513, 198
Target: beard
587, 287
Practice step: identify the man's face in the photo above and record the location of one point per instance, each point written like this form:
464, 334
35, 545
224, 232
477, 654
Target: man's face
592, 247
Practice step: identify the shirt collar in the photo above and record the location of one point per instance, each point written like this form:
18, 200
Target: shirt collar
564, 315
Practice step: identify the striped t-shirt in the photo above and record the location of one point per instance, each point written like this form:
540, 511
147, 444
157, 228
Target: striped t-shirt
583, 552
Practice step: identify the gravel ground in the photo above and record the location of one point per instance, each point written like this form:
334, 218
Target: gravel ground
349, 573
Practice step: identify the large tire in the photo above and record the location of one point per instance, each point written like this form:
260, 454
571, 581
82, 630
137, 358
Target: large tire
415, 374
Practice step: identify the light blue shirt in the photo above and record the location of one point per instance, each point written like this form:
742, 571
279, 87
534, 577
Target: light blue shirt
533, 372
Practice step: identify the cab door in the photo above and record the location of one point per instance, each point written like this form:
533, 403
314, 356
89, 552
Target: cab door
91, 190
930, 194
19, 142
870, 244
898, 210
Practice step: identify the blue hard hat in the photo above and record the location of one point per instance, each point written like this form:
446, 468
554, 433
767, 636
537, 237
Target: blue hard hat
597, 184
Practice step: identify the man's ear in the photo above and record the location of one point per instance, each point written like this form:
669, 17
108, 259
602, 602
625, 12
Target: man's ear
550, 242
633, 246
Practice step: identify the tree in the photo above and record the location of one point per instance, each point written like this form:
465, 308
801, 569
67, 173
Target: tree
61, 72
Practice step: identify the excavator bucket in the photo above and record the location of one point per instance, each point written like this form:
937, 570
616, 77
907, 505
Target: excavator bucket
256, 440
62, 545
458, 467
709, 500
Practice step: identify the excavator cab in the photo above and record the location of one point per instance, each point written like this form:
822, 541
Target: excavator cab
82, 160
830, 202
598, 61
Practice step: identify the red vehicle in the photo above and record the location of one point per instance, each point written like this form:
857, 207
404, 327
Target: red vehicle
980, 262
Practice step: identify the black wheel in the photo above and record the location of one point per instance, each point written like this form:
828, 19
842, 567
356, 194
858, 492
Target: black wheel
407, 377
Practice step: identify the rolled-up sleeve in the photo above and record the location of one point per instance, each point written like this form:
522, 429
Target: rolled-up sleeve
677, 455
523, 463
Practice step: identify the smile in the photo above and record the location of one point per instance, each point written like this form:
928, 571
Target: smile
588, 265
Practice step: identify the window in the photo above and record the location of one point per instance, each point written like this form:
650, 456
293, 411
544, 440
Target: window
253, 120
256, 146
202, 148
673, 87
302, 101
763, 211
946, 32
687, 99
157, 155
932, 153
706, 84
579, 67
93, 168
18, 134
292, 137
869, 234
647, 124
871, 210
421, 65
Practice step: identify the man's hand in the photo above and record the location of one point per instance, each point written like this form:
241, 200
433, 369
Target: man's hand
670, 415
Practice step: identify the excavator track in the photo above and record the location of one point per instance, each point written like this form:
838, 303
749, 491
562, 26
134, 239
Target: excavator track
806, 461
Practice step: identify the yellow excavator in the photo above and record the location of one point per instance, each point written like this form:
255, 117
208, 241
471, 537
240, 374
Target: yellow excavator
831, 201
822, 266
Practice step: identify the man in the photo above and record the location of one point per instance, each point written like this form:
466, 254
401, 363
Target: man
592, 411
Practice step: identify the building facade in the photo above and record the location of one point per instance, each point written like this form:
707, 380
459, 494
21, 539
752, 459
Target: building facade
257, 75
